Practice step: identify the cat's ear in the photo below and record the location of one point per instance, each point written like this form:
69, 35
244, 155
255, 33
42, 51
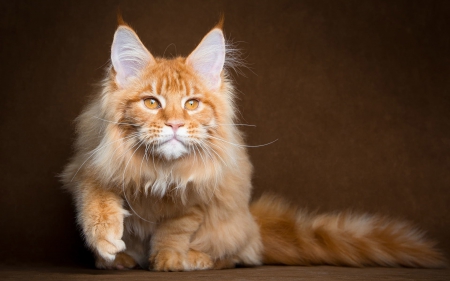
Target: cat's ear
128, 55
209, 57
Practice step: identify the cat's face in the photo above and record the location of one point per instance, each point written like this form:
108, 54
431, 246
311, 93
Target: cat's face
170, 108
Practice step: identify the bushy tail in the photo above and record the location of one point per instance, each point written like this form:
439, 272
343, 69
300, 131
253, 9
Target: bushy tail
293, 237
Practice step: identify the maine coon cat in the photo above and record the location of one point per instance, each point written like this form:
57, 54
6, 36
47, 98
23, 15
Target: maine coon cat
161, 178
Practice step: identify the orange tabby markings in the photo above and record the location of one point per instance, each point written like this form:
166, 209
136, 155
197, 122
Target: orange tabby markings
295, 238
161, 174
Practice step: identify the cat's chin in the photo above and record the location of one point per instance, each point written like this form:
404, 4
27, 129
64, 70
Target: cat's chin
172, 149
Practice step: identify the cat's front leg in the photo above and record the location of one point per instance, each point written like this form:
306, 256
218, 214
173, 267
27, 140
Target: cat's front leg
170, 244
101, 216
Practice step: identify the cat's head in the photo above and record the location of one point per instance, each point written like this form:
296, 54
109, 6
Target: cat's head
172, 107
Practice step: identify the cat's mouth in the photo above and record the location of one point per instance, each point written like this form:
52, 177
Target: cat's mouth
173, 141
172, 148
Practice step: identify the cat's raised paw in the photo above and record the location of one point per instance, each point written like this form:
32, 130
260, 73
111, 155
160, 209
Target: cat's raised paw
108, 248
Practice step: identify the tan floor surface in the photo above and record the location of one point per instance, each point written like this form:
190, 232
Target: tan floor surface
259, 273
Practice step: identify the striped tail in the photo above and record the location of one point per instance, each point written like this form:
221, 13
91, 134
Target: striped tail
293, 237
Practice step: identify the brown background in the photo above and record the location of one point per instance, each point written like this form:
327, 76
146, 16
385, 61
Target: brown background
356, 92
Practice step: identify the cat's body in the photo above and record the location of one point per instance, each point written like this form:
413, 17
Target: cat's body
161, 178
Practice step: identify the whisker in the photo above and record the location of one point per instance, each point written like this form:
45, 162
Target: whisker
153, 155
216, 172
216, 154
191, 147
218, 125
98, 148
126, 146
221, 148
242, 145
147, 146
168, 47
203, 160
123, 184
140, 168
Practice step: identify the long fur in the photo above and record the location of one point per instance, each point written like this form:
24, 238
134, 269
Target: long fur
294, 237
137, 206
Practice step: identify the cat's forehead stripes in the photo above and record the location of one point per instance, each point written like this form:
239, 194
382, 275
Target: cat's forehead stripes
171, 77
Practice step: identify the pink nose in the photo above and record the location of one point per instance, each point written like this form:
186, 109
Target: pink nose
175, 125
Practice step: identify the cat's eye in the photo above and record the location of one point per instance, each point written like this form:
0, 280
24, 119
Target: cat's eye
191, 104
152, 103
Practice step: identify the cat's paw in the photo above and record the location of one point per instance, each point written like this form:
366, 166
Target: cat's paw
168, 260
198, 260
108, 247
121, 262
103, 232
171, 260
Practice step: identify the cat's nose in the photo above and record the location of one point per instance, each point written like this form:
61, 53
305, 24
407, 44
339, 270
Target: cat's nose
175, 125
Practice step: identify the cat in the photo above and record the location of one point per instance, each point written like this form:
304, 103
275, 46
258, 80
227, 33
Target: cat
161, 178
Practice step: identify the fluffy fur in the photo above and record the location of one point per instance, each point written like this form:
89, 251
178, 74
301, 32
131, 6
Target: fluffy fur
169, 188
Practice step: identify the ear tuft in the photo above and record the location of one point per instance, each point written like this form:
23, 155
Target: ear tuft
128, 55
120, 20
219, 25
209, 57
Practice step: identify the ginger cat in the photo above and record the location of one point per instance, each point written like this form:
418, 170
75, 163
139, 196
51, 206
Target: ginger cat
161, 178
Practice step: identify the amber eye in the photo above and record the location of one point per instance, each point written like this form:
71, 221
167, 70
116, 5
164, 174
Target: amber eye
191, 104
152, 103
